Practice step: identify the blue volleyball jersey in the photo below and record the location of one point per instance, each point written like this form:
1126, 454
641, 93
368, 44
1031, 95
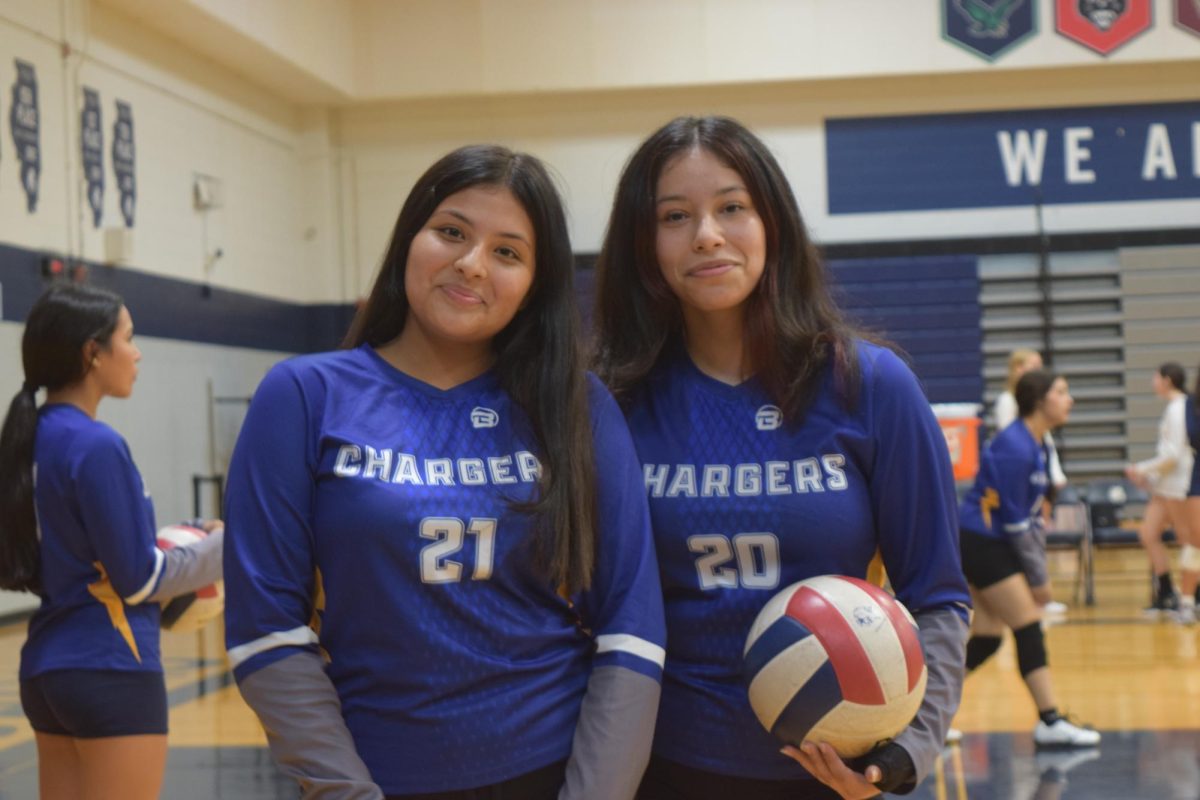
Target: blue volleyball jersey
744, 505
369, 516
98, 557
1006, 498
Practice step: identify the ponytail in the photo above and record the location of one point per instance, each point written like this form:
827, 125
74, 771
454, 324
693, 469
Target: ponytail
18, 524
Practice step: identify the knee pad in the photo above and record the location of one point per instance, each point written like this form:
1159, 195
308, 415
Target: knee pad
1189, 558
980, 649
1031, 648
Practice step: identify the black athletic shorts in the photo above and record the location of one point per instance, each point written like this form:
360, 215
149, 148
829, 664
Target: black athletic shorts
986, 559
670, 780
541, 784
92, 704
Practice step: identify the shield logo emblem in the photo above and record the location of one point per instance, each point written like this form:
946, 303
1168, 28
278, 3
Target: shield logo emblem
1102, 25
988, 28
1187, 15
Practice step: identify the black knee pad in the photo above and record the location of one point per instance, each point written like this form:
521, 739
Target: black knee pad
1031, 648
980, 649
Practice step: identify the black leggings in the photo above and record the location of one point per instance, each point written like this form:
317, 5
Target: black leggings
541, 784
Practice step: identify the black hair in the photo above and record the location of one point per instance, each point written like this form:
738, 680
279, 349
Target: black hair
1032, 388
794, 327
1173, 371
538, 354
61, 324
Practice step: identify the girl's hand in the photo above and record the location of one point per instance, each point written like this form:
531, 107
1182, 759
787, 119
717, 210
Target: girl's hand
823, 763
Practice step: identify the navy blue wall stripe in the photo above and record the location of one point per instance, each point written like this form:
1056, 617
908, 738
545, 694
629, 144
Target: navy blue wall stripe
176, 309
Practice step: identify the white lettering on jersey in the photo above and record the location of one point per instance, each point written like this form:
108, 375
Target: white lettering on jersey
833, 469
406, 470
655, 476
379, 464
349, 461
716, 480
808, 476
803, 476
684, 483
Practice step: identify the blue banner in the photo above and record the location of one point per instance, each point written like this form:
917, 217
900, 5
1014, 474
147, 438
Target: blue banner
91, 143
124, 158
1013, 158
25, 122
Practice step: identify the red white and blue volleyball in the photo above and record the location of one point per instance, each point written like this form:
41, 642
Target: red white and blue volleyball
835, 659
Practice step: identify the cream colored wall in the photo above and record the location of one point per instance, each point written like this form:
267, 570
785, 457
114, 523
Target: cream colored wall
588, 136
277, 229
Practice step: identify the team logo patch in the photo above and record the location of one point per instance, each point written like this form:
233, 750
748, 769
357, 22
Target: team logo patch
768, 418
1187, 15
484, 417
1102, 25
988, 28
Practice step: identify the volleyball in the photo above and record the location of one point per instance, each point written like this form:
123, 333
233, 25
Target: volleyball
194, 610
835, 659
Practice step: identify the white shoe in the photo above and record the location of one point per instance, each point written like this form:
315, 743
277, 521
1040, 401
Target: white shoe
1064, 733
953, 736
1185, 614
1055, 608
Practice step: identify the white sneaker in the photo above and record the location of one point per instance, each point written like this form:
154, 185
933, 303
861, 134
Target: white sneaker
1064, 733
953, 736
1185, 614
1055, 608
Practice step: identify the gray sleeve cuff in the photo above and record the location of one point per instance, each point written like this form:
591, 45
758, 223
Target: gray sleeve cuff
186, 569
302, 715
613, 736
943, 639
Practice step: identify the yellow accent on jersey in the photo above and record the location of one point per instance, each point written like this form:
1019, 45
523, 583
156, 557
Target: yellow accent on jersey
103, 591
876, 573
989, 501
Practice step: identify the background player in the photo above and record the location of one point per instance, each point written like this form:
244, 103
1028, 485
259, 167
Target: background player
776, 445
1003, 557
1168, 476
77, 528
459, 513
1189, 559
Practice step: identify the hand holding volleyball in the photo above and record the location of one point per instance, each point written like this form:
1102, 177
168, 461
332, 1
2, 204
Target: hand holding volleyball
193, 610
837, 660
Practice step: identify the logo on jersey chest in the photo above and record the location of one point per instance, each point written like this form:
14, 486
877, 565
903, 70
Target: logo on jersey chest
768, 418
484, 417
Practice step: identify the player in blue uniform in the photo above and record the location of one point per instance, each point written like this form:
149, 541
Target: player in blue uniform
776, 446
77, 528
1003, 555
442, 581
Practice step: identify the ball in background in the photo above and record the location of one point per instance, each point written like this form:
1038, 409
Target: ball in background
835, 659
194, 610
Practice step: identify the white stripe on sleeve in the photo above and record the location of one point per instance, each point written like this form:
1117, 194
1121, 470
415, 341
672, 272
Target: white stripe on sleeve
296, 637
1017, 527
632, 645
144, 592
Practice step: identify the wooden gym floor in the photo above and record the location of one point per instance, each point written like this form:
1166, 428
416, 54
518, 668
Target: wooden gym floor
1136, 680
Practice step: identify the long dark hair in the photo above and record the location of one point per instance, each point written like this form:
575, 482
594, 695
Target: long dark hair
794, 327
538, 358
60, 325
1032, 388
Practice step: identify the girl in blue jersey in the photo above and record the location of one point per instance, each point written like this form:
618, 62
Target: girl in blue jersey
1003, 555
77, 528
442, 582
776, 445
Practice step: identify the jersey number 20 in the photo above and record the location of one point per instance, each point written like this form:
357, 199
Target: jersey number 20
755, 557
